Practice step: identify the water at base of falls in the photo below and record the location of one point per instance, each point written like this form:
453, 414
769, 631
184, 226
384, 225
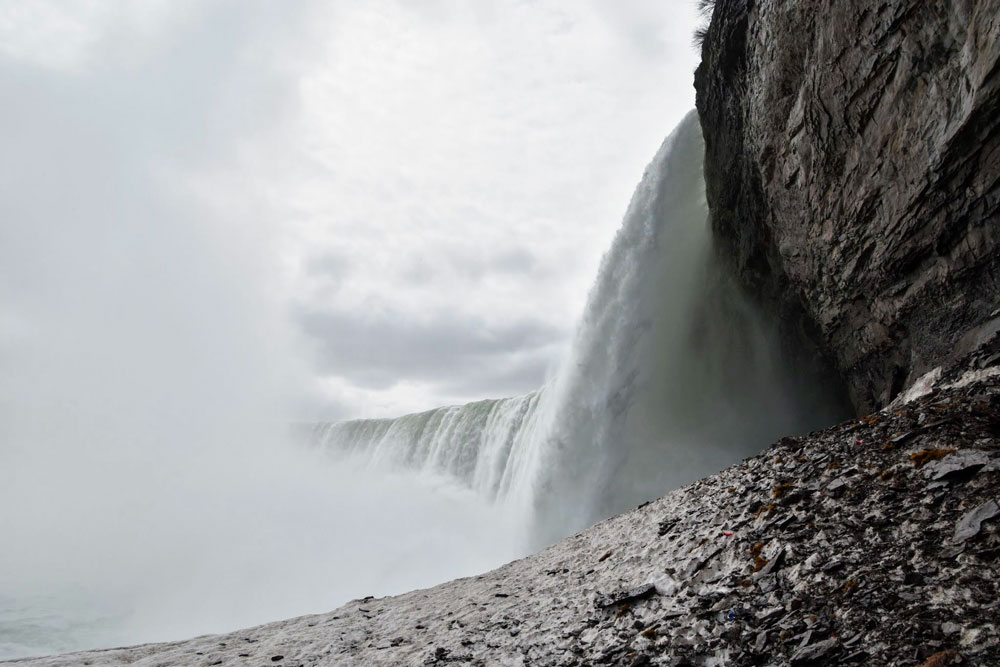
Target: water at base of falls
279, 533
672, 375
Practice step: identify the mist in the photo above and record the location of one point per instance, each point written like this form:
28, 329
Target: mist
220, 219
149, 485
148, 479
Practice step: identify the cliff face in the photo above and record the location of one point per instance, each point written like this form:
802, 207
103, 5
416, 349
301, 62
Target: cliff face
853, 175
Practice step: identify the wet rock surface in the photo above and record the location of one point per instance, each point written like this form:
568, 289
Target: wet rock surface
843, 547
853, 175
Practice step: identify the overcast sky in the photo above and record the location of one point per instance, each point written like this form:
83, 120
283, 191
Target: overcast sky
389, 205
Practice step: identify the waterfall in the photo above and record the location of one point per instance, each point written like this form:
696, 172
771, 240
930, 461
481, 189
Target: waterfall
480, 443
672, 375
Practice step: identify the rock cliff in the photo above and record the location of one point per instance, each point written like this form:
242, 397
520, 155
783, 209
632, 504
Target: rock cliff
853, 173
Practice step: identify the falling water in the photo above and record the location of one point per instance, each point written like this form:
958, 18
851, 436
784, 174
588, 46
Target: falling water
132, 520
479, 443
672, 375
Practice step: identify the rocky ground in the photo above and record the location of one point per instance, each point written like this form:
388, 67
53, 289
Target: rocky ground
874, 542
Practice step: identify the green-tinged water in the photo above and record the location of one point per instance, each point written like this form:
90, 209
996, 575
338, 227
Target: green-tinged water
672, 375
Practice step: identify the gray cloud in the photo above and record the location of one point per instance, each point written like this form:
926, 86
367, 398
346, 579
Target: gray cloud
457, 354
449, 264
516, 260
330, 265
514, 374
322, 141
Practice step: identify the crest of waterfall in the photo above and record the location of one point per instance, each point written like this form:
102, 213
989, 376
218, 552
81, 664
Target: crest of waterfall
672, 375
480, 444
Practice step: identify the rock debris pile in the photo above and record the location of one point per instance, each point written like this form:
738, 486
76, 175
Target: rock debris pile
876, 542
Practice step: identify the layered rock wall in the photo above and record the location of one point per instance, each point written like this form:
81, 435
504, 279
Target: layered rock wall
853, 174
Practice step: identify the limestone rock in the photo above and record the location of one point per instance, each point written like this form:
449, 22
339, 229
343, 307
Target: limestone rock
970, 524
853, 175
